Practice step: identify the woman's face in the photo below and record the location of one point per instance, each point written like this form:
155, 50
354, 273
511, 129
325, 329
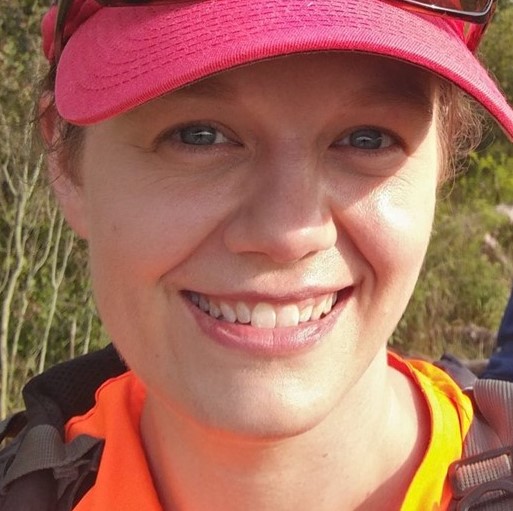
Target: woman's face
254, 239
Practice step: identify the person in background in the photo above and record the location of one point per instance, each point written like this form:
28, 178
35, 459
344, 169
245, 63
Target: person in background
256, 181
500, 365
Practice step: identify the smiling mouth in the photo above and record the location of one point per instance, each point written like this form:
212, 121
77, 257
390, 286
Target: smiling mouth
265, 314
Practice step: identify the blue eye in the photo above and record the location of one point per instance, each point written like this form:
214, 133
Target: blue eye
367, 139
201, 135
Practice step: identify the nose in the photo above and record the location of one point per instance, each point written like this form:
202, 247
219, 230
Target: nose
285, 213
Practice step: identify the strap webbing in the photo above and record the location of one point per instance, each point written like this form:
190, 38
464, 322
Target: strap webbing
483, 479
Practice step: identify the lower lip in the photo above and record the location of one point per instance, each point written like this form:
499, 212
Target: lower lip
270, 342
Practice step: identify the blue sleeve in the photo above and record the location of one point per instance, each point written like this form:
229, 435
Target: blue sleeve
505, 334
500, 365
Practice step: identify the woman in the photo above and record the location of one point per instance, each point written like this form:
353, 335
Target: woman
256, 182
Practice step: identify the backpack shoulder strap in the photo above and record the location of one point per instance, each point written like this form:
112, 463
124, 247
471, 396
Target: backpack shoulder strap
482, 480
39, 470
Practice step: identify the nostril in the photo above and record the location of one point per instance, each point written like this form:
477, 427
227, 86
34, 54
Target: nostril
286, 229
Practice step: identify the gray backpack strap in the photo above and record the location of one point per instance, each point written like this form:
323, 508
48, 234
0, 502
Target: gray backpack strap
483, 479
41, 472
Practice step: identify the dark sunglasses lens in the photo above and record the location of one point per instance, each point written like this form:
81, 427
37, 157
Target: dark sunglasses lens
475, 5
121, 3
465, 6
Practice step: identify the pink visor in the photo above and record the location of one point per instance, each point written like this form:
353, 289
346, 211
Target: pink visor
120, 57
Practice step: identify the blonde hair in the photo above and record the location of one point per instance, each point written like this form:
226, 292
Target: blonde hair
460, 129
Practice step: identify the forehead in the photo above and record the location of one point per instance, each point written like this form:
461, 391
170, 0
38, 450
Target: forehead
305, 85
352, 76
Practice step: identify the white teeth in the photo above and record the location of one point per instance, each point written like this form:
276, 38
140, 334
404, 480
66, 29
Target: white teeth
203, 304
287, 316
327, 305
265, 315
243, 313
306, 314
215, 311
228, 313
318, 311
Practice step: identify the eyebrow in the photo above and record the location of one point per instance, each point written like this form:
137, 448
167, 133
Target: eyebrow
210, 88
409, 93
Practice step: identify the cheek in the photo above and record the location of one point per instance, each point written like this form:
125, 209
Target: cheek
145, 215
390, 228
148, 232
400, 223
137, 235
403, 229
133, 244
390, 231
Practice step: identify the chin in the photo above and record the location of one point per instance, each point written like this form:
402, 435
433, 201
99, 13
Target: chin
263, 415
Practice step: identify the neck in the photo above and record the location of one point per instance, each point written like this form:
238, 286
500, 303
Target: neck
339, 464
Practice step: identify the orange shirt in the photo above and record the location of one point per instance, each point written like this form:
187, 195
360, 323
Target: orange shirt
451, 414
124, 481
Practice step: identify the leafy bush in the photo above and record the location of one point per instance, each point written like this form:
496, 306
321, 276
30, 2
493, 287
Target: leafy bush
468, 271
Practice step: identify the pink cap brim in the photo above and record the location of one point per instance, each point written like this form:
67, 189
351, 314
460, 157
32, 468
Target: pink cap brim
119, 58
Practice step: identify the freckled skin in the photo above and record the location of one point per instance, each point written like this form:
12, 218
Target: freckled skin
281, 201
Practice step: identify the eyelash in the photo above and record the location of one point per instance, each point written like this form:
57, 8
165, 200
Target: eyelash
393, 141
176, 134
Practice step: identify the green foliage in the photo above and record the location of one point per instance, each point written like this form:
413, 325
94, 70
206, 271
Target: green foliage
44, 317
497, 46
19, 56
488, 180
497, 51
468, 271
463, 288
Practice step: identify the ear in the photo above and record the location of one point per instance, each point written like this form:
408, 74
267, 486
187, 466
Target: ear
63, 178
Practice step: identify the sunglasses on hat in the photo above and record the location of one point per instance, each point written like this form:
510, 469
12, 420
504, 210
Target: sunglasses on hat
475, 14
